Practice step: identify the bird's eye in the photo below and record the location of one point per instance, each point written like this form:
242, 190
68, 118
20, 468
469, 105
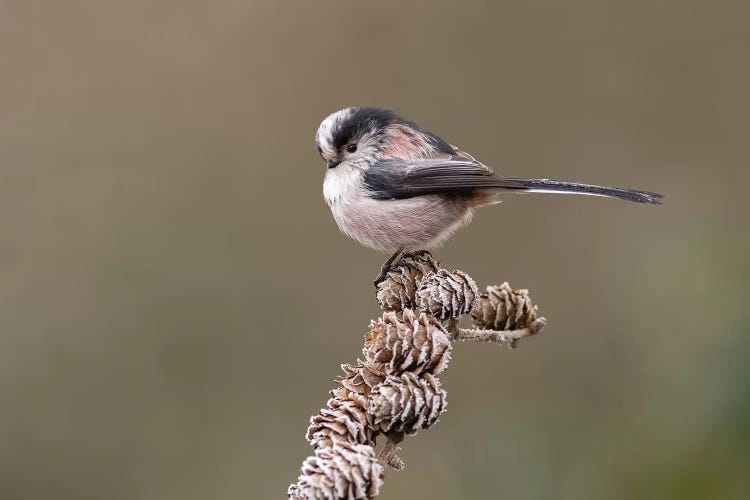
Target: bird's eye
351, 148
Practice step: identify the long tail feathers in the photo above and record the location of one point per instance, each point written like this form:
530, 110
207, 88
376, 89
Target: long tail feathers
551, 186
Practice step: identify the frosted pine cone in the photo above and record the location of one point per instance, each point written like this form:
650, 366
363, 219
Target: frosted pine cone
407, 403
502, 308
362, 377
343, 394
339, 421
397, 291
345, 471
446, 294
407, 342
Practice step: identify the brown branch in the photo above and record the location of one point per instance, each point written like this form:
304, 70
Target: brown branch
510, 337
395, 390
387, 455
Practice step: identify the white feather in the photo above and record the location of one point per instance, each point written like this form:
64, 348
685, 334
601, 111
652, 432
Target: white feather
555, 191
324, 136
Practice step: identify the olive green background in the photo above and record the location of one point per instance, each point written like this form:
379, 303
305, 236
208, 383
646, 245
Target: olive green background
175, 298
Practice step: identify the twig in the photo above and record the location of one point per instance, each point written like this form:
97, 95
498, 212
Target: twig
387, 455
510, 337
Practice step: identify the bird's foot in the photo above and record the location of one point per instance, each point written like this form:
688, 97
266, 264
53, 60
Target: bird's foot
417, 254
384, 270
388, 266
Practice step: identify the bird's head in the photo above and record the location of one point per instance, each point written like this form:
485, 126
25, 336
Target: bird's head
359, 137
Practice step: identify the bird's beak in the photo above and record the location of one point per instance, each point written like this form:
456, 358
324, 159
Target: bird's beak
332, 163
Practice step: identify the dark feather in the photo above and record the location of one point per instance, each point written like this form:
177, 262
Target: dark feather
364, 120
396, 179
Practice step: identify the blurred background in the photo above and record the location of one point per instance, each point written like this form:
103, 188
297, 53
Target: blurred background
175, 297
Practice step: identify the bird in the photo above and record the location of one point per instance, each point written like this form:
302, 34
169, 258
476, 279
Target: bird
396, 187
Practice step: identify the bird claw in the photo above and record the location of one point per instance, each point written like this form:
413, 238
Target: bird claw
388, 266
382, 275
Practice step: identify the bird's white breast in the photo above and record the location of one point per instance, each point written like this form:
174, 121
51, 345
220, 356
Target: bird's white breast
342, 185
420, 223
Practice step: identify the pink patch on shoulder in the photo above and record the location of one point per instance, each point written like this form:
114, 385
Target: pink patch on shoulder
403, 143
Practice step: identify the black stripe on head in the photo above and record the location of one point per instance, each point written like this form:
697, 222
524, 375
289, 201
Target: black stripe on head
361, 121
364, 120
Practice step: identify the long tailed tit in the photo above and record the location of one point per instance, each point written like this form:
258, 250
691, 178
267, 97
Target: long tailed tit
395, 187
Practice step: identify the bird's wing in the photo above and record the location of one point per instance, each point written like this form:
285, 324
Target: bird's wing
463, 155
394, 178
